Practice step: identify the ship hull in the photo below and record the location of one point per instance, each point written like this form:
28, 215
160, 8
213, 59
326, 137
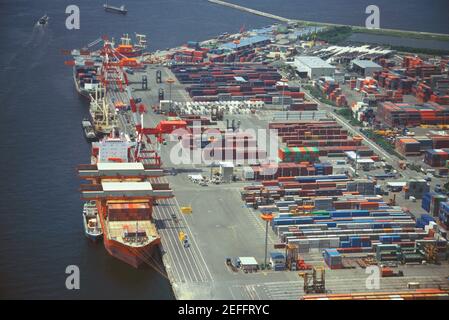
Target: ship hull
93, 237
114, 10
136, 257
83, 93
133, 54
90, 138
99, 134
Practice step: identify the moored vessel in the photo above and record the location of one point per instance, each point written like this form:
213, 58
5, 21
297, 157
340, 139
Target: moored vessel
92, 226
103, 117
124, 196
86, 72
129, 49
88, 130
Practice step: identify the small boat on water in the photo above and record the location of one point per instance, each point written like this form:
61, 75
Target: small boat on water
88, 129
43, 21
120, 9
92, 226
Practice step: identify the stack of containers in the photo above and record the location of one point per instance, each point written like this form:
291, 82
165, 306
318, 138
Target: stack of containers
329, 137
301, 105
323, 168
128, 211
404, 114
431, 202
297, 154
424, 220
348, 230
443, 215
289, 170
425, 142
440, 141
423, 92
408, 146
406, 85
333, 259
436, 157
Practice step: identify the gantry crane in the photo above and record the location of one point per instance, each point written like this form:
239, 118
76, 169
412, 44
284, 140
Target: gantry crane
154, 138
314, 282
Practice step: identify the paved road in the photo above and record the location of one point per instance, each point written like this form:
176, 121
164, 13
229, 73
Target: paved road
185, 264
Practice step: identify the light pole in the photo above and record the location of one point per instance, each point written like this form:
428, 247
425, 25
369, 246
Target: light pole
284, 82
267, 217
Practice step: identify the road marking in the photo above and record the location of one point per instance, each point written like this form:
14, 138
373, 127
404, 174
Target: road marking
194, 241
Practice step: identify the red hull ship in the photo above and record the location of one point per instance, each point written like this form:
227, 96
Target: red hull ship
135, 246
124, 194
129, 50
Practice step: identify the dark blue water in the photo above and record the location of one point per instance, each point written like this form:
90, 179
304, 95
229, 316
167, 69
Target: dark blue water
42, 143
415, 15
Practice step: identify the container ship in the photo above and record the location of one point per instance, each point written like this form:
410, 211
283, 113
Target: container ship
86, 72
124, 197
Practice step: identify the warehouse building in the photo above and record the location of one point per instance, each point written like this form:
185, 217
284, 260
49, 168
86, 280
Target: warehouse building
246, 43
313, 67
365, 67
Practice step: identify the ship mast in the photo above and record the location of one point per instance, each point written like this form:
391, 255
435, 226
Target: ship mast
125, 39
105, 112
141, 41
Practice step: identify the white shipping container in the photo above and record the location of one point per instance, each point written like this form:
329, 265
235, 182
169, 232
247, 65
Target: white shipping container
248, 173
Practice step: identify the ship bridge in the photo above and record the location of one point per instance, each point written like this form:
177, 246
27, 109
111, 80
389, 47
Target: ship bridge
105, 170
122, 181
125, 190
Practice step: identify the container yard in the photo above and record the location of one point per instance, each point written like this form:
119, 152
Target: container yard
332, 202
223, 156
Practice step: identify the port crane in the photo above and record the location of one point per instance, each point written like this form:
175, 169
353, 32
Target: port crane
141, 41
314, 282
154, 138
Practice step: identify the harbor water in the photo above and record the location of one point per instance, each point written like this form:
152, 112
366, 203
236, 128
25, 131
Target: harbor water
42, 142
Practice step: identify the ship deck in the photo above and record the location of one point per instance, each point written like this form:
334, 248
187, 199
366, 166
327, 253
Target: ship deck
116, 229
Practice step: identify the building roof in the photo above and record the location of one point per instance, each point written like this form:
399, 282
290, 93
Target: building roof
396, 184
245, 42
247, 261
226, 164
365, 160
126, 186
313, 62
365, 64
